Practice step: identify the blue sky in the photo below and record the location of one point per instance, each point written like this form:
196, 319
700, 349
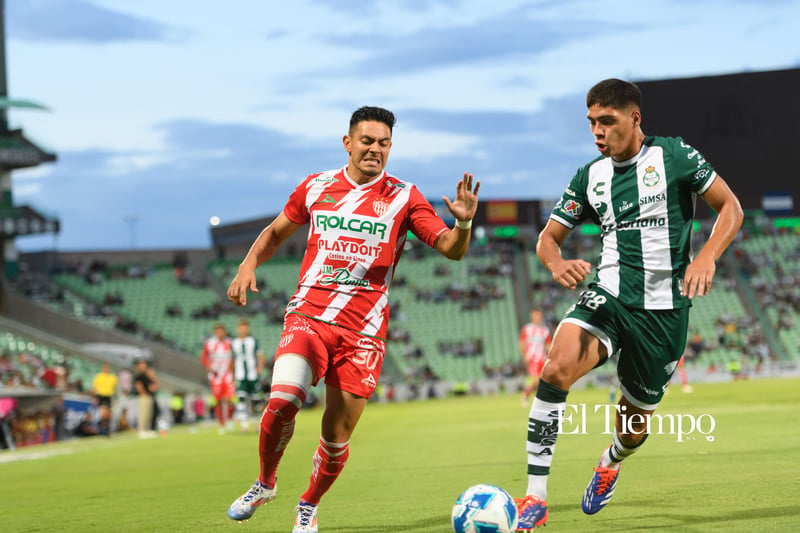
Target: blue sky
168, 113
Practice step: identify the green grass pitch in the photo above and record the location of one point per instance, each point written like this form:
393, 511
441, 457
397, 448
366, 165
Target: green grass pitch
410, 461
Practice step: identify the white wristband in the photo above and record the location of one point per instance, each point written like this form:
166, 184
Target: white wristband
464, 224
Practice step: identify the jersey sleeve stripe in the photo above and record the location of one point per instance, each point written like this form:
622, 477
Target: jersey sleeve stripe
562, 221
708, 183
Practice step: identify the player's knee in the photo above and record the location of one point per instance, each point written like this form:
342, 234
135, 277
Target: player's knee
557, 374
338, 432
285, 400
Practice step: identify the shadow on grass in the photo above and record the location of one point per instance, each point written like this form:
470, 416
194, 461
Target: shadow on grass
678, 518
742, 514
428, 524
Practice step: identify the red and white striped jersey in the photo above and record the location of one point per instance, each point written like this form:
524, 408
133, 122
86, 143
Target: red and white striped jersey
355, 239
535, 339
217, 357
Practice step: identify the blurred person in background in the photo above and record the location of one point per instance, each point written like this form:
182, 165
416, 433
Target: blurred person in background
7, 409
248, 362
104, 388
534, 341
146, 386
217, 358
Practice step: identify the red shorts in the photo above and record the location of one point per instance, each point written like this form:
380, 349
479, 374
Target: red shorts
346, 359
222, 387
535, 367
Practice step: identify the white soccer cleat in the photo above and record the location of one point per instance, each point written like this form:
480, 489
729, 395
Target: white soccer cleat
306, 519
246, 505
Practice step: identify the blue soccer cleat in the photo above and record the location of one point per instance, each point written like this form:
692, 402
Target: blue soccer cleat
531, 513
246, 505
600, 488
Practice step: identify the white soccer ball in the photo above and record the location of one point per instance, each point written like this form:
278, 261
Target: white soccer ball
484, 509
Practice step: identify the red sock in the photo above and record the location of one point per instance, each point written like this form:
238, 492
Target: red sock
220, 414
277, 427
329, 461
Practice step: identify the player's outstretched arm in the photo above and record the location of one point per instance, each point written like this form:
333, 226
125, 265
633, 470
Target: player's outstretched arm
700, 272
566, 272
453, 244
262, 249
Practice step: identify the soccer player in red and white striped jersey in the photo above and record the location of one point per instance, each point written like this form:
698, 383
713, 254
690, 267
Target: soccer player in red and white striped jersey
534, 341
217, 358
336, 322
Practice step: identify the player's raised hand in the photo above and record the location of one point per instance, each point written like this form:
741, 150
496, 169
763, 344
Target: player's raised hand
570, 272
237, 290
466, 201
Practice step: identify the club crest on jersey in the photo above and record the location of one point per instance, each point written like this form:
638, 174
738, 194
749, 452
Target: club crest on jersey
573, 208
651, 177
380, 206
285, 340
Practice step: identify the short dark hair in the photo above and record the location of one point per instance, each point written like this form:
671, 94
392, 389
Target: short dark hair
377, 114
614, 93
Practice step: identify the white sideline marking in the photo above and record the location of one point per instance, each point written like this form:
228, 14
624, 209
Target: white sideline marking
14, 456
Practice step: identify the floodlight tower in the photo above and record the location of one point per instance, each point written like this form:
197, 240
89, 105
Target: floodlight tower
16, 151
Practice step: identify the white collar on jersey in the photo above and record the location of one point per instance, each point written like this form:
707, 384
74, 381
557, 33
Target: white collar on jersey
367, 184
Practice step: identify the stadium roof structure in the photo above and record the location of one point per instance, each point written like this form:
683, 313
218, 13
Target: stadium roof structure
25, 220
7, 103
17, 151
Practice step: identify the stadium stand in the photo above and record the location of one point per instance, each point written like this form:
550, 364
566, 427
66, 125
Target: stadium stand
769, 265
451, 321
31, 364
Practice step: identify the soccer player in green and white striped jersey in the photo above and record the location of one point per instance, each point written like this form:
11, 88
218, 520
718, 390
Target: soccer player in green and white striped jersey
641, 192
248, 362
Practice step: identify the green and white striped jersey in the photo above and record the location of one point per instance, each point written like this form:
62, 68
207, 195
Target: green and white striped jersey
645, 209
245, 358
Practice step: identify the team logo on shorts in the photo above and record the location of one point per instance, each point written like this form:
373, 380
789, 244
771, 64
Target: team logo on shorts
651, 177
369, 381
370, 344
285, 340
380, 206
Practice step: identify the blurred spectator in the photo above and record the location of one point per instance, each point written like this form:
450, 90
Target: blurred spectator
174, 310
145, 388
176, 405
104, 388
696, 344
58, 413
49, 378
124, 423
7, 407
199, 407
